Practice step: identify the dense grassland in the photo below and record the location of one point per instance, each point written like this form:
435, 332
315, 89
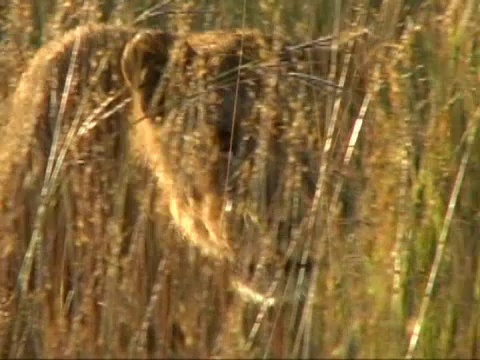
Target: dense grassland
383, 259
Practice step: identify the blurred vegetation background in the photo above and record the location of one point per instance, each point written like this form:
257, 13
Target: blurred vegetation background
401, 277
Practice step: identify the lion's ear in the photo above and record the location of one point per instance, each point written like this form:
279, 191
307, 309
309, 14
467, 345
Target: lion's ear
143, 63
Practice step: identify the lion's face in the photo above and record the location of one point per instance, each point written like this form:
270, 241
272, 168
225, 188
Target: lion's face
194, 103
198, 96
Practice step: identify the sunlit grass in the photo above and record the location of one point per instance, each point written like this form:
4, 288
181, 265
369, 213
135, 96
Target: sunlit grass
384, 262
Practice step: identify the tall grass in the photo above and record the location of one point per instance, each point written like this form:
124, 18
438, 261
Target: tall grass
381, 260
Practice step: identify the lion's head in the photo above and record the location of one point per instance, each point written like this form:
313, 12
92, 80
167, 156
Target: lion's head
199, 104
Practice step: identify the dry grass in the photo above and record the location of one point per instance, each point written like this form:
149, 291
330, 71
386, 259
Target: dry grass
353, 219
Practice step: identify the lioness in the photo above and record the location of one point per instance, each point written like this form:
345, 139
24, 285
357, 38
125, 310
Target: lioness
90, 103
119, 143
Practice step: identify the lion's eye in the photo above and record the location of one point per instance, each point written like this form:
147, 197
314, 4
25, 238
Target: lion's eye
225, 145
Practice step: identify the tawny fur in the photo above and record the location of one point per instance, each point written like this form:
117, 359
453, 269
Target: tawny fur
91, 166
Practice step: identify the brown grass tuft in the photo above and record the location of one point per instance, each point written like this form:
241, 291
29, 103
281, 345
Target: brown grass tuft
326, 159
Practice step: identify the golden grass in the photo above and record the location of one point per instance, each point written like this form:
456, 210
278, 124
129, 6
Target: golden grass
354, 219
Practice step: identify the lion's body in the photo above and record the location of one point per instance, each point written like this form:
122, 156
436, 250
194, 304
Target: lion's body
52, 102
48, 104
